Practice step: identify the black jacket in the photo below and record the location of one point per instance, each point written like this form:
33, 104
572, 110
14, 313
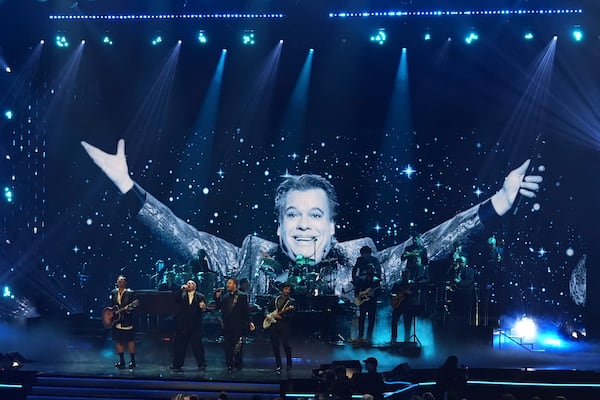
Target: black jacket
235, 311
189, 316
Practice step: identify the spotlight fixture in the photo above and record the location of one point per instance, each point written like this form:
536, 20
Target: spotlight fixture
106, 40
471, 37
157, 40
379, 37
528, 36
248, 37
61, 41
427, 36
577, 34
202, 38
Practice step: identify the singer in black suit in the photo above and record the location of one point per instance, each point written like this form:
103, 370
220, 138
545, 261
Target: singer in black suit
188, 325
235, 312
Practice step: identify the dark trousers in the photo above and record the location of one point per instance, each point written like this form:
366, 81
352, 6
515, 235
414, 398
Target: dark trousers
233, 348
408, 313
182, 338
280, 333
367, 309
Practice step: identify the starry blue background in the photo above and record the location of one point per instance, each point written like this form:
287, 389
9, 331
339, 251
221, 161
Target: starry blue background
457, 147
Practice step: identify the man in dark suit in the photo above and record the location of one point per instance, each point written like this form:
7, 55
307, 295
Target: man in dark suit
235, 312
188, 326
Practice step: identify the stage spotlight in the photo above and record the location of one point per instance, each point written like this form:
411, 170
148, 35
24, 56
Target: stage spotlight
528, 36
61, 41
248, 38
7, 69
8, 195
8, 114
577, 34
471, 37
525, 328
379, 37
106, 40
157, 40
427, 36
202, 38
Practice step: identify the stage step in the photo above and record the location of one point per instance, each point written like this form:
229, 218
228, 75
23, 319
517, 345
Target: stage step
84, 388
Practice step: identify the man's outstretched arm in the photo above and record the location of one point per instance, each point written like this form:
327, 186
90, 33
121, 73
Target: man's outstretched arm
176, 233
439, 240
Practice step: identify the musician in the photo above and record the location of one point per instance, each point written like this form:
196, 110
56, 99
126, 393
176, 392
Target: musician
365, 263
402, 301
123, 332
415, 249
462, 286
367, 289
306, 207
199, 265
191, 306
169, 285
235, 312
279, 332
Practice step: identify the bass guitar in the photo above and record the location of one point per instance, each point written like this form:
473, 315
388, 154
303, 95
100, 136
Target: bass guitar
271, 318
113, 315
365, 295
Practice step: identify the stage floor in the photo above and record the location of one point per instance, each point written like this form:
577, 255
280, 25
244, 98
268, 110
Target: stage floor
57, 353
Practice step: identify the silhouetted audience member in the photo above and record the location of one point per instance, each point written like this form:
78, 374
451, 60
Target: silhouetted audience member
342, 387
452, 380
370, 382
428, 396
507, 396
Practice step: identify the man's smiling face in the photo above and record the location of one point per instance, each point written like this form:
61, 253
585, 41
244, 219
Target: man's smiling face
306, 226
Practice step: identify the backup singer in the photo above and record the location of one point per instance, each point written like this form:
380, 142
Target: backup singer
123, 332
235, 312
188, 326
282, 309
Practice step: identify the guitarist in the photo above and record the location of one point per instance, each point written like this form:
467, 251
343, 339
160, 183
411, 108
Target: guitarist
279, 331
123, 332
366, 278
402, 305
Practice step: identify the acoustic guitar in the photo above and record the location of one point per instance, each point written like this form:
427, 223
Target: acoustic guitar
114, 315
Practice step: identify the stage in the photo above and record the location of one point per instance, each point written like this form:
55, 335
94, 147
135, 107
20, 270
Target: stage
63, 365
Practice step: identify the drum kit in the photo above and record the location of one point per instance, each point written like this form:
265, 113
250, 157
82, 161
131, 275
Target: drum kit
305, 276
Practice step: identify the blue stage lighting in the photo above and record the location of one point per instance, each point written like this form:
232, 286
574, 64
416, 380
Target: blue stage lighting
7, 69
379, 37
8, 114
107, 40
528, 36
7, 293
202, 38
248, 38
427, 36
471, 37
8, 195
577, 34
157, 40
61, 41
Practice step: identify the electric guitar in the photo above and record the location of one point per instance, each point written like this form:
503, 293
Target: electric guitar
396, 298
113, 315
271, 318
365, 295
